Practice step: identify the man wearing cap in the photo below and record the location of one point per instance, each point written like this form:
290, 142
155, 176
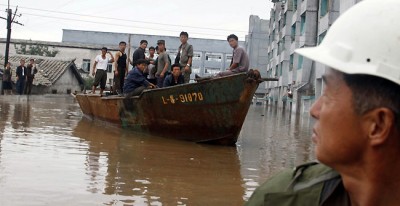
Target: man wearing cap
162, 63
136, 82
357, 127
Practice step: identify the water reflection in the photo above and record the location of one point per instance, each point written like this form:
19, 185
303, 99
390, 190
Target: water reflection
271, 140
49, 155
148, 170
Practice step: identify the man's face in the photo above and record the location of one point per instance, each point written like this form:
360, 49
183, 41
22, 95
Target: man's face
183, 39
337, 132
176, 71
161, 48
22, 62
103, 52
152, 51
122, 47
143, 45
142, 66
233, 43
31, 62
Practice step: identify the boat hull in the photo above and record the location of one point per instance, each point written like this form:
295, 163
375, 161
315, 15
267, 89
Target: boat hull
211, 111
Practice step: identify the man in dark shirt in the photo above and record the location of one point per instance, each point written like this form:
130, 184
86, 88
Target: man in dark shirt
136, 82
140, 52
175, 78
120, 68
30, 75
21, 77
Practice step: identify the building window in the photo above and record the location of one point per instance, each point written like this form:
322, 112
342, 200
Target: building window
303, 22
324, 8
284, 20
300, 63
86, 65
321, 37
293, 33
109, 67
276, 70
291, 62
196, 56
273, 35
280, 69
294, 5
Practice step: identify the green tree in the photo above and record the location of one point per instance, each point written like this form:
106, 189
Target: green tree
35, 49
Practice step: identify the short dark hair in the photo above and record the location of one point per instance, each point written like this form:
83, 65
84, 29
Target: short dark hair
184, 33
232, 36
32, 59
152, 48
122, 42
141, 61
143, 41
104, 48
370, 92
175, 65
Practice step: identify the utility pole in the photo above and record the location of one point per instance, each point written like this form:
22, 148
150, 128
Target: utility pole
10, 19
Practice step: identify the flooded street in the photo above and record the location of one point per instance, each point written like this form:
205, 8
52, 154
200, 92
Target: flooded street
50, 155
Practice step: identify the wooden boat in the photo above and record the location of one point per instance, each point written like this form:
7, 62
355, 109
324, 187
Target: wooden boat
211, 111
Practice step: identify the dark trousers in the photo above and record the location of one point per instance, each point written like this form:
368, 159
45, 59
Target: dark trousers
135, 92
160, 82
119, 81
20, 85
28, 86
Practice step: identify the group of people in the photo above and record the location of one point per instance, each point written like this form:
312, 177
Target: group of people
24, 76
156, 70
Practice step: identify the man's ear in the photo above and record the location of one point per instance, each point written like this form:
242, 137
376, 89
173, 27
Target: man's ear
378, 124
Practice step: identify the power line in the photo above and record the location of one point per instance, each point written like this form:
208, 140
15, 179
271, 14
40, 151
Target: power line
113, 24
145, 22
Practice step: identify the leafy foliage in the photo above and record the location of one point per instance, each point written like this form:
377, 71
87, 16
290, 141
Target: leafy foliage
35, 49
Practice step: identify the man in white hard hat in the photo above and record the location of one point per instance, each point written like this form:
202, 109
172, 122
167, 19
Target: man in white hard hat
357, 129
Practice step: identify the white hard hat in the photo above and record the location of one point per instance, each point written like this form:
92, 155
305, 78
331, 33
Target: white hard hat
364, 40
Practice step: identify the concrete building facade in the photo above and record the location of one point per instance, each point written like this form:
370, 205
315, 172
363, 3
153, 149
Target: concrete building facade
297, 24
257, 47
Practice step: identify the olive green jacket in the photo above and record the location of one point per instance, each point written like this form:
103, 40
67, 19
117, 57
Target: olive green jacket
309, 184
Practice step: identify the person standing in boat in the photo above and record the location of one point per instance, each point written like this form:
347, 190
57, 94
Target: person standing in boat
121, 68
140, 52
162, 63
152, 67
175, 78
185, 56
100, 69
136, 82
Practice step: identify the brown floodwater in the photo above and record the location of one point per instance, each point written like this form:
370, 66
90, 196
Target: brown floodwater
50, 155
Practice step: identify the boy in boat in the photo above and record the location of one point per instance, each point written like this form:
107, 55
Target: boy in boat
239, 62
175, 77
100, 70
357, 117
136, 82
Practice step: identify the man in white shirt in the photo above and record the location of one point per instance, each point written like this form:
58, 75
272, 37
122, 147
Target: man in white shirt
100, 70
